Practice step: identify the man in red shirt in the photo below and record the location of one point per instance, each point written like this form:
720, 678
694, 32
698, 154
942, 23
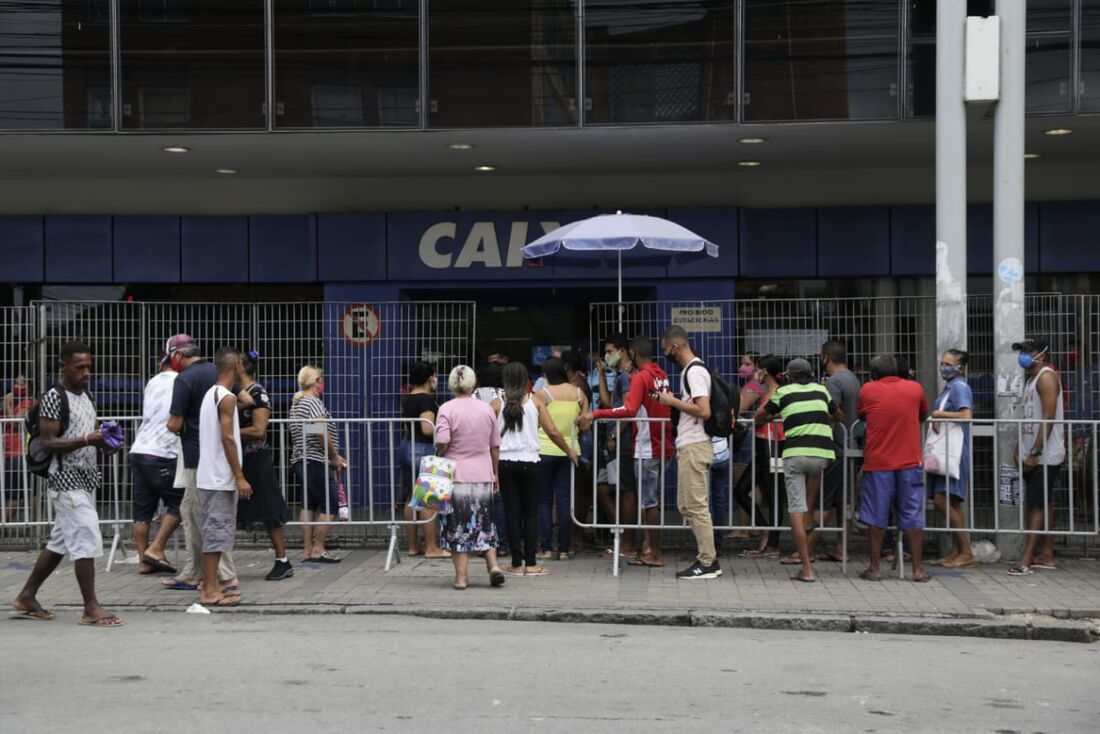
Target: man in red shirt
653, 444
892, 409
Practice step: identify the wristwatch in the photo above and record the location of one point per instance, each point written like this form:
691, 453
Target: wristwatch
1036, 452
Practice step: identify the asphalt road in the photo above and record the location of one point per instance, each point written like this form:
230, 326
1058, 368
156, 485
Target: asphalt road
340, 673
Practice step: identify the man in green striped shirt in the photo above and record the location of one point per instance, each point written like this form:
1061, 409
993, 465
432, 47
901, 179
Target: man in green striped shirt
808, 414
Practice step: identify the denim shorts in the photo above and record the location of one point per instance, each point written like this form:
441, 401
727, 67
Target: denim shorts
649, 482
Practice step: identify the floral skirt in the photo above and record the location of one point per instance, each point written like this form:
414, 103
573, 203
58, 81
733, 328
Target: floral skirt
470, 528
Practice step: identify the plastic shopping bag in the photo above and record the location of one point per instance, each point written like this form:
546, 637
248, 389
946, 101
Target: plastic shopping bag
434, 485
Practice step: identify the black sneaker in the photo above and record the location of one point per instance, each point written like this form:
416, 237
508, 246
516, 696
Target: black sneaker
281, 570
699, 571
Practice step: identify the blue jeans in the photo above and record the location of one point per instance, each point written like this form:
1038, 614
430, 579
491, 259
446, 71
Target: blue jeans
719, 499
556, 473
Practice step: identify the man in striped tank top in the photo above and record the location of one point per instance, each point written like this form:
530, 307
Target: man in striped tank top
808, 414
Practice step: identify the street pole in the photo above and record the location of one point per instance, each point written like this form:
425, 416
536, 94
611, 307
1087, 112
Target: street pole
950, 178
1008, 248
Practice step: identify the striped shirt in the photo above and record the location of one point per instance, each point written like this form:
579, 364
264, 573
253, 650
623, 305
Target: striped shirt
807, 427
306, 411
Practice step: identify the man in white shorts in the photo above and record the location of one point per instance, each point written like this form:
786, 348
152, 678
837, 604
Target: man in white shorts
69, 431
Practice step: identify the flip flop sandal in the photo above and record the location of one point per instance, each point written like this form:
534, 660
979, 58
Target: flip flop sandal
543, 571
1019, 569
37, 615
459, 587
921, 579
178, 584
496, 578
324, 558
759, 554
792, 561
828, 557
226, 600
109, 621
798, 577
964, 564
867, 576
644, 562
1044, 566
159, 565
234, 590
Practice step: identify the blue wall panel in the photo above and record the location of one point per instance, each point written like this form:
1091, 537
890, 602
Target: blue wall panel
351, 247
719, 225
21, 249
78, 249
912, 240
147, 249
1070, 231
282, 249
215, 249
853, 241
778, 243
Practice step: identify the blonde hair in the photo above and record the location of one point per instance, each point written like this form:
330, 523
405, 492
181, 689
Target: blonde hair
462, 380
307, 378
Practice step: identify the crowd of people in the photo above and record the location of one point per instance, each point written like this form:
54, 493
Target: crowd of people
202, 453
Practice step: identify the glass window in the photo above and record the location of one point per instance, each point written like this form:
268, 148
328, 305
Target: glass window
55, 64
659, 61
821, 60
502, 63
1090, 56
1049, 60
347, 63
192, 64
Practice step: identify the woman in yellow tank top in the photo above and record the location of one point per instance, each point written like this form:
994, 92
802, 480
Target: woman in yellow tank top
564, 402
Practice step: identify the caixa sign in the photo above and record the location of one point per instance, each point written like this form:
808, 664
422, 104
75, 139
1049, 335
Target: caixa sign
485, 244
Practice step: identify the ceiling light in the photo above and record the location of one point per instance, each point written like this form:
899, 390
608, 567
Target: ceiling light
1058, 131
485, 169
748, 164
460, 146
1030, 156
226, 171
752, 141
175, 149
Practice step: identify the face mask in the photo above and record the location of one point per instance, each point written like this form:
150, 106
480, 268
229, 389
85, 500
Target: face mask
746, 372
1025, 360
176, 362
670, 355
320, 385
612, 359
433, 384
949, 373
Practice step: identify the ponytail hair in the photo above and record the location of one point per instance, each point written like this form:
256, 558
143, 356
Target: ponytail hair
515, 390
307, 378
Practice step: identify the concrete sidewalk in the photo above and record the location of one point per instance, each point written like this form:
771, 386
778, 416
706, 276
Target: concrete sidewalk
750, 593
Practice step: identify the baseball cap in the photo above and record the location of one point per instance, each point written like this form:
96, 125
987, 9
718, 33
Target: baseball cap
1031, 345
799, 367
174, 344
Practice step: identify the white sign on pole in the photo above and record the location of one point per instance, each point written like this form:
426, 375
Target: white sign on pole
703, 318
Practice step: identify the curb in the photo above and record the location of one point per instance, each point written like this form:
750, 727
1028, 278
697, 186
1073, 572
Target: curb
986, 625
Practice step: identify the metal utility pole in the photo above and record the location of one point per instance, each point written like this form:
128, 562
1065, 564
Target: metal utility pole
1008, 246
950, 178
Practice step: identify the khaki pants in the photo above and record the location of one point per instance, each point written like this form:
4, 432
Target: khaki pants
191, 515
692, 477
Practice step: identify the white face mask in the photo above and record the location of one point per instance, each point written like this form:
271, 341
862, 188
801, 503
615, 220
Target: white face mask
612, 359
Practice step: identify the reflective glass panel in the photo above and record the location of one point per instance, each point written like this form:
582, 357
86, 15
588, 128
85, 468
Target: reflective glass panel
1090, 56
502, 63
195, 64
659, 61
821, 59
1049, 60
55, 64
347, 63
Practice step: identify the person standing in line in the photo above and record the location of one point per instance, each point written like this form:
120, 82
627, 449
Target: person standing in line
420, 405
153, 458
307, 458
220, 477
892, 410
808, 413
843, 387
17, 403
955, 403
490, 386
519, 417
768, 436
653, 444
614, 465
582, 468
565, 403
196, 377
1042, 451
68, 430
266, 506
466, 432
694, 451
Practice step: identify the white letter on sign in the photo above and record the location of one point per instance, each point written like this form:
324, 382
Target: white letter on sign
429, 250
480, 247
516, 240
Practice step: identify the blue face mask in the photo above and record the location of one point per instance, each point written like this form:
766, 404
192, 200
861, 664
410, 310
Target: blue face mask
949, 373
1025, 360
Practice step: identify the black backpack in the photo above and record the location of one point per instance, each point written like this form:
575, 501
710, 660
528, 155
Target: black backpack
724, 402
38, 460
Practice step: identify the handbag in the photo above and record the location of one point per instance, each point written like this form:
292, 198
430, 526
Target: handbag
434, 485
943, 449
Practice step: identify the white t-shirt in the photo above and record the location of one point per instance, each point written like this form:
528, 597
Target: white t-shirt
214, 471
153, 437
690, 429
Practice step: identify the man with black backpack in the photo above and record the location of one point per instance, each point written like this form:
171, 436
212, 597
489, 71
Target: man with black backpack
64, 442
694, 451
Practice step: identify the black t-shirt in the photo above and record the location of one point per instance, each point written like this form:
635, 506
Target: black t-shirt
415, 405
187, 394
260, 400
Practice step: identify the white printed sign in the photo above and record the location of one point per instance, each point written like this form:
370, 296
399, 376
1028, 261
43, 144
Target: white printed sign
704, 318
786, 342
1009, 486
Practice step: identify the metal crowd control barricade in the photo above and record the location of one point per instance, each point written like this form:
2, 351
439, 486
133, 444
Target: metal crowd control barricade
378, 478
623, 429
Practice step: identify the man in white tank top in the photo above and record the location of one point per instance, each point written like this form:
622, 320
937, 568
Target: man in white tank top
1042, 450
219, 476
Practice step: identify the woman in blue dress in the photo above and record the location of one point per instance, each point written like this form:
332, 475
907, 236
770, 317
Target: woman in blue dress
955, 403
